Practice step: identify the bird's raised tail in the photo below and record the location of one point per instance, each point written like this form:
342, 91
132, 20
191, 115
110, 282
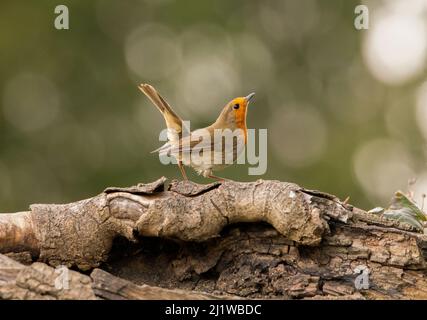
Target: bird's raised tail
173, 121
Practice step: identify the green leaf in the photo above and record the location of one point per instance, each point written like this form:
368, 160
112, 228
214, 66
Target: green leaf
404, 215
403, 209
400, 201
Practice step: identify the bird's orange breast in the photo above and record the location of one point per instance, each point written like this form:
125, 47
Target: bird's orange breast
241, 121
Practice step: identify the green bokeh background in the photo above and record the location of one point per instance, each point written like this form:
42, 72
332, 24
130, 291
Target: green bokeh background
80, 123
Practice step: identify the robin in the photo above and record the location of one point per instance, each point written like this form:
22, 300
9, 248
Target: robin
203, 149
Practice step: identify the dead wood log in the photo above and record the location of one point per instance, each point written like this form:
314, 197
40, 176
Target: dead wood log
305, 244
39, 281
82, 233
109, 287
42, 282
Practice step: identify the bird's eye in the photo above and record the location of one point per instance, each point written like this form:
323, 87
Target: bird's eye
236, 106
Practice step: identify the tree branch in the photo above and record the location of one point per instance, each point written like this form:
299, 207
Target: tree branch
189, 236
82, 233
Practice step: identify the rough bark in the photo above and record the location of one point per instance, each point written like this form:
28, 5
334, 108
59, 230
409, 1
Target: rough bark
107, 286
299, 243
39, 281
82, 233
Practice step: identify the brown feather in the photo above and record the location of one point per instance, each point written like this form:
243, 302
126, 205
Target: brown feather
173, 121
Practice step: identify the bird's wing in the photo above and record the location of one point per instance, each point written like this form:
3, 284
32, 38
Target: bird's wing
201, 139
185, 144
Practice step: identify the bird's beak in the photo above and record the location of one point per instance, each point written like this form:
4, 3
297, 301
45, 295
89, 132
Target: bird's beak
249, 97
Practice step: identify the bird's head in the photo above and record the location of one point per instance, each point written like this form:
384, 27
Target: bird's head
234, 113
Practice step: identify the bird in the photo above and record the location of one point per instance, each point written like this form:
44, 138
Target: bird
201, 149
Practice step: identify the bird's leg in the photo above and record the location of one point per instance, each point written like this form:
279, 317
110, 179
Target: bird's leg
218, 178
181, 168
